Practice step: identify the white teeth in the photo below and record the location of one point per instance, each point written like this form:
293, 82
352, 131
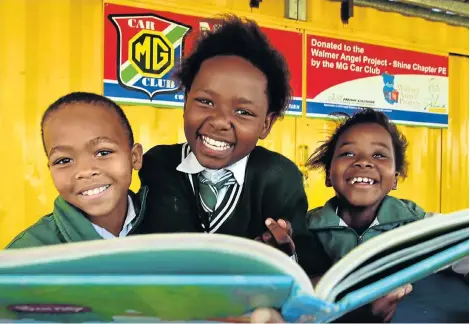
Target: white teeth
362, 180
95, 191
215, 145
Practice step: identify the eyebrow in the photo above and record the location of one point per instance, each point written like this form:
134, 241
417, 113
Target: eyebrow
240, 100
101, 139
381, 144
208, 91
93, 142
346, 143
244, 101
375, 143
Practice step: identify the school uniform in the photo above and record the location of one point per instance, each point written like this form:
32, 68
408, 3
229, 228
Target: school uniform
67, 224
337, 238
264, 185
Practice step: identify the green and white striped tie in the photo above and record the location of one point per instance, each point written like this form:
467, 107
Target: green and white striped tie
208, 191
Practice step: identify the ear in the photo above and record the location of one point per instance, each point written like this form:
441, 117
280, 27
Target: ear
327, 179
137, 153
268, 124
395, 182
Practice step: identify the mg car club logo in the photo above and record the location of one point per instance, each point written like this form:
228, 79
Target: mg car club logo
149, 47
144, 47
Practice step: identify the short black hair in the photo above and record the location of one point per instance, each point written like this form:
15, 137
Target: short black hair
323, 155
90, 98
242, 38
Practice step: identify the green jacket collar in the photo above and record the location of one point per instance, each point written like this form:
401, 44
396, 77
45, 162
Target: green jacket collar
392, 210
75, 227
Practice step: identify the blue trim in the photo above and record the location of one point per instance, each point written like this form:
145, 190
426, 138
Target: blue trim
117, 91
305, 308
410, 274
295, 106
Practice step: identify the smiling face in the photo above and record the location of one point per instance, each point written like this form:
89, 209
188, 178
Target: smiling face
226, 111
363, 169
90, 159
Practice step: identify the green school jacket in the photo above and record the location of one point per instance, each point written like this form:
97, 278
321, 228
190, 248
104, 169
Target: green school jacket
338, 240
66, 224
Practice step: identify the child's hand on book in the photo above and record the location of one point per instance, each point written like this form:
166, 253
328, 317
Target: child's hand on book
278, 235
385, 306
266, 315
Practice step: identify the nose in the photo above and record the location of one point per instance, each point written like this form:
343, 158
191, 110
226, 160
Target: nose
363, 162
85, 169
220, 120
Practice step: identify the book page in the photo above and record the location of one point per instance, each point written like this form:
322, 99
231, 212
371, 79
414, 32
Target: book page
393, 238
165, 254
397, 260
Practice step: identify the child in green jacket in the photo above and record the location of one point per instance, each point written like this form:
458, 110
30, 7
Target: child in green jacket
91, 153
362, 160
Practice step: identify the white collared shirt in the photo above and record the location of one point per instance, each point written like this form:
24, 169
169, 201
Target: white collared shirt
126, 228
191, 165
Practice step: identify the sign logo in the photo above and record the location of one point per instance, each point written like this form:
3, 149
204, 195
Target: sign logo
390, 93
149, 47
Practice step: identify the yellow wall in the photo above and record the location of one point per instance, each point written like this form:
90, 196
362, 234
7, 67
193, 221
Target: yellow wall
51, 47
454, 183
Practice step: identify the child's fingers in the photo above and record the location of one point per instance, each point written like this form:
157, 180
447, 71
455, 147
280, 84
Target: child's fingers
386, 305
266, 315
279, 233
396, 295
280, 236
282, 223
390, 314
285, 225
399, 293
409, 288
268, 238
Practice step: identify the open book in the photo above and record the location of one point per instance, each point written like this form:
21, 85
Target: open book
211, 277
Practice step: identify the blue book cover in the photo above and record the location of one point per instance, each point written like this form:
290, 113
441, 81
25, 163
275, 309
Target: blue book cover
214, 278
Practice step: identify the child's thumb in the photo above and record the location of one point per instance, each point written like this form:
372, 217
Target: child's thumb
403, 291
266, 315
